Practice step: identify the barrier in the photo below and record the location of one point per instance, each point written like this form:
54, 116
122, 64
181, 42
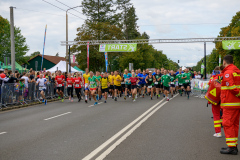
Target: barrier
15, 94
199, 87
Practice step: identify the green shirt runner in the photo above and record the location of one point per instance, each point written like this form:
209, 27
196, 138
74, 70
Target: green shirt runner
172, 78
93, 82
180, 80
165, 80
188, 75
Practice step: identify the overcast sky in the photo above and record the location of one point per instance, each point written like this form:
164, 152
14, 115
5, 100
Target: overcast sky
161, 19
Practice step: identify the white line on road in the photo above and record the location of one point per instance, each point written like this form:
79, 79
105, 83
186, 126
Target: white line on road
57, 116
105, 144
97, 104
120, 140
2, 133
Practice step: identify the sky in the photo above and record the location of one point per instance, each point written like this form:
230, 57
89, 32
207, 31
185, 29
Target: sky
160, 19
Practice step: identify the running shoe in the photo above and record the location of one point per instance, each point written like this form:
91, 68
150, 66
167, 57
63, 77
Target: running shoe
85, 101
115, 98
151, 98
79, 99
69, 98
143, 96
95, 103
188, 96
62, 100
163, 95
125, 97
89, 98
159, 95
45, 102
59, 97
218, 135
167, 99
105, 101
72, 100
97, 97
134, 100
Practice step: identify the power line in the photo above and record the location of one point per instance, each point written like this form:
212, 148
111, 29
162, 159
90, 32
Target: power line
62, 9
67, 6
185, 24
41, 12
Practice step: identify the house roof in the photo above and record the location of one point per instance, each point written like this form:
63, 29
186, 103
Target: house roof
54, 59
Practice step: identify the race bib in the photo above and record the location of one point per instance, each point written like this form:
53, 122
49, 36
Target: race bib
59, 85
180, 84
156, 82
69, 85
77, 85
41, 88
92, 82
122, 83
149, 86
186, 81
172, 82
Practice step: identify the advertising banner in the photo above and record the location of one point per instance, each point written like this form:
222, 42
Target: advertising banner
128, 47
231, 44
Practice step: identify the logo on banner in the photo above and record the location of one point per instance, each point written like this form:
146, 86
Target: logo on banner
102, 48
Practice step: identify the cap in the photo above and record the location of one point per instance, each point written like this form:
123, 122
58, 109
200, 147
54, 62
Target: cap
150, 71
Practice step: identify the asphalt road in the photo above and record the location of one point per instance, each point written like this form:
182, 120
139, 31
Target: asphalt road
144, 130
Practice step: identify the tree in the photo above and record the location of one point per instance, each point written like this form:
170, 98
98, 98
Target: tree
21, 47
232, 30
57, 55
98, 10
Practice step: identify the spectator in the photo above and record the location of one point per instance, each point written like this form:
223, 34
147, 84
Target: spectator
197, 76
12, 79
25, 77
199, 73
32, 76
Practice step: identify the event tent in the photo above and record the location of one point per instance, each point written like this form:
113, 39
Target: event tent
62, 67
18, 67
75, 67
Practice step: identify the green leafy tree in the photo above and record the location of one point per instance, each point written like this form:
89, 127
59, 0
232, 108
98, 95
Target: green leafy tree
232, 30
21, 47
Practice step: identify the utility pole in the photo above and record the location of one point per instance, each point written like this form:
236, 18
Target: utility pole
67, 60
12, 39
205, 61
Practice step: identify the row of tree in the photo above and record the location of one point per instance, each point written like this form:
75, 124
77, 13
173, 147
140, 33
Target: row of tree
232, 30
115, 20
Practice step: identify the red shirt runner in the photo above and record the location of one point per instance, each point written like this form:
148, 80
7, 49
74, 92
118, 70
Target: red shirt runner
60, 80
133, 80
78, 82
70, 82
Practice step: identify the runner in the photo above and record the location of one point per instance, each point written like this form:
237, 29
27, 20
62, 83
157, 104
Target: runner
139, 84
99, 93
180, 81
143, 85
165, 80
117, 83
104, 85
150, 79
60, 79
111, 88
70, 82
41, 82
122, 85
77, 86
126, 76
161, 85
158, 76
187, 81
172, 82
92, 84
86, 76
134, 80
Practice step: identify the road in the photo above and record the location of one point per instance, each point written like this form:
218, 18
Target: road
147, 129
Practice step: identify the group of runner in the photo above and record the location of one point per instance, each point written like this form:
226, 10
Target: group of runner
136, 83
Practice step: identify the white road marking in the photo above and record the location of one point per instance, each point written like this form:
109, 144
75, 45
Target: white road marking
119, 141
97, 104
2, 133
57, 116
105, 144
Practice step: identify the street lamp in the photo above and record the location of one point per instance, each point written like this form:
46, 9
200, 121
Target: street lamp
67, 37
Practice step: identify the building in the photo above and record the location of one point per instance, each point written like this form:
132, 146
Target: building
48, 62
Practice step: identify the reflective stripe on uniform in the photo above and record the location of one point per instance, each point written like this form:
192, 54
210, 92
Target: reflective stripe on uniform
238, 94
231, 144
230, 87
217, 125
217, 121
221, 120
230, 139
230, 104
235, 74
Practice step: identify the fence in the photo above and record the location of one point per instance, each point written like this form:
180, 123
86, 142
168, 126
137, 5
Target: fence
14, 94
199, 87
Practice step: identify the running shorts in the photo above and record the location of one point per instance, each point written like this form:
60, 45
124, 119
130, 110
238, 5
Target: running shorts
133, 86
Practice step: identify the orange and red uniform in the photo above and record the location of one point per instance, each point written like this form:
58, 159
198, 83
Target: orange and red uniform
216, 107
230, 103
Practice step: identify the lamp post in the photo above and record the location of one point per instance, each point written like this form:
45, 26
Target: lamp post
67, 37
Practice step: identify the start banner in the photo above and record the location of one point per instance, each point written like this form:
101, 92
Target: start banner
123, 47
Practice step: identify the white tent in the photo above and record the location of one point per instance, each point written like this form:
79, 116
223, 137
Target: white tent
62, 67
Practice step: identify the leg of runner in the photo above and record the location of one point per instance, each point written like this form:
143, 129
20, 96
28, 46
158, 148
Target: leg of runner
171, 89
106, 93
71, 91
152, 89
93, 94
133, 95
116, 92
126, 90
188, 90
166, 93
68, 92
86, 92
157, 92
